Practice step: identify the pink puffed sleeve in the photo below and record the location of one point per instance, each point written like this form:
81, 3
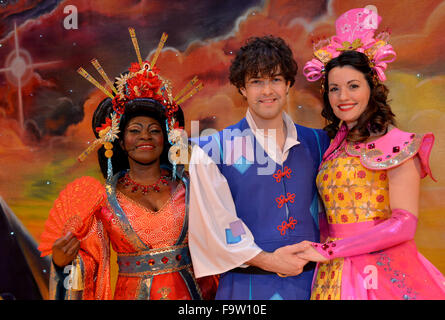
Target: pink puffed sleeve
393, 149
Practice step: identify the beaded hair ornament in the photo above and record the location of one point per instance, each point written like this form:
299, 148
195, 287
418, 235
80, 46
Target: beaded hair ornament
142, 81
355, 31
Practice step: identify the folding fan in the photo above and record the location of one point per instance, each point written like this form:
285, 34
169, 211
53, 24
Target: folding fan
72, 211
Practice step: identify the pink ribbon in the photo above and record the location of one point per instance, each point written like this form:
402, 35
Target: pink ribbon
313, 70
383, 56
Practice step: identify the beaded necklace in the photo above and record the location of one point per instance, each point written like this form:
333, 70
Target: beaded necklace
126, 181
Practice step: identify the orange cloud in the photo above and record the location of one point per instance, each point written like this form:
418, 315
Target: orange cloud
116, 8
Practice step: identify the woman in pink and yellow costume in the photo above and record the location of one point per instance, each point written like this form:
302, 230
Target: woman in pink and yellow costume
370, 175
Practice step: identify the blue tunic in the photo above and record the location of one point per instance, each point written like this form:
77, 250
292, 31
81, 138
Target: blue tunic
267, 204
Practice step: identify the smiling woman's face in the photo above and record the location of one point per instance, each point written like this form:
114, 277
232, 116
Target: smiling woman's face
143, 140
349, 93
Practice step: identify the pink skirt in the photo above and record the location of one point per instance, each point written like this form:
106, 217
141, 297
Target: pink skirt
397, 273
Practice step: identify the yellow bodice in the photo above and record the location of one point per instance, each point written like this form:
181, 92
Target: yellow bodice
352, 193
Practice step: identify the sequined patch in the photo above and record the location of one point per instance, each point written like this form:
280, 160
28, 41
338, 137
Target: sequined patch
398, 277
237, 228
230, 238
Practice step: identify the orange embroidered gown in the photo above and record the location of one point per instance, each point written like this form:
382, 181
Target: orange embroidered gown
152, 250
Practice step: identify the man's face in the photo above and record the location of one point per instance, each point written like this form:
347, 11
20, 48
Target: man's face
266, 96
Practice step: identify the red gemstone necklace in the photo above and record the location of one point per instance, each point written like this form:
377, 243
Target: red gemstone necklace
126, 181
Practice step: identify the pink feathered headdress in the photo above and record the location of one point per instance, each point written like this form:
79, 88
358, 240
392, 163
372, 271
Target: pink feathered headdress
355, 31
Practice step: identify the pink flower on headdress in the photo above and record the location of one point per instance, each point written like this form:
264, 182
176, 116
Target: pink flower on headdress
354, 31
346, 28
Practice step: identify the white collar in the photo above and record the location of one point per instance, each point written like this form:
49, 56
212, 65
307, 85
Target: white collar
291, 136
290, 127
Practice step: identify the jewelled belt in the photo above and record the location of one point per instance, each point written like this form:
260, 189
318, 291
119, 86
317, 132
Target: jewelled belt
154, 262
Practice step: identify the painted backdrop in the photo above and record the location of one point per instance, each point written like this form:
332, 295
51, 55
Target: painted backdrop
46, 107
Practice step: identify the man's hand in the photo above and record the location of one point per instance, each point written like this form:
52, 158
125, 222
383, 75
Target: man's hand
65, 249
284, 261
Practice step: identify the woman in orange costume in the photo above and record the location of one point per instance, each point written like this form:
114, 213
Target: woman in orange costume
141, 211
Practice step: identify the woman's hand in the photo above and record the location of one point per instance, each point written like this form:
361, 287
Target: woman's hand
65, 249
307, 252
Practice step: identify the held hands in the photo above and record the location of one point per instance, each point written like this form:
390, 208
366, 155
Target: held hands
287, 260
307, 252
65, 249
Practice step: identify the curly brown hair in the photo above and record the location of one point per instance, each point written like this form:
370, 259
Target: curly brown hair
377, 116
263, 56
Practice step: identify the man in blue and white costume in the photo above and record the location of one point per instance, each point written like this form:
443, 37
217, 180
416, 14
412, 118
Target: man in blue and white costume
252, 186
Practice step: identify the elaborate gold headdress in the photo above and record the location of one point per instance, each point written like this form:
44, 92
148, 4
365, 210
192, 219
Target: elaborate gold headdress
142, 81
